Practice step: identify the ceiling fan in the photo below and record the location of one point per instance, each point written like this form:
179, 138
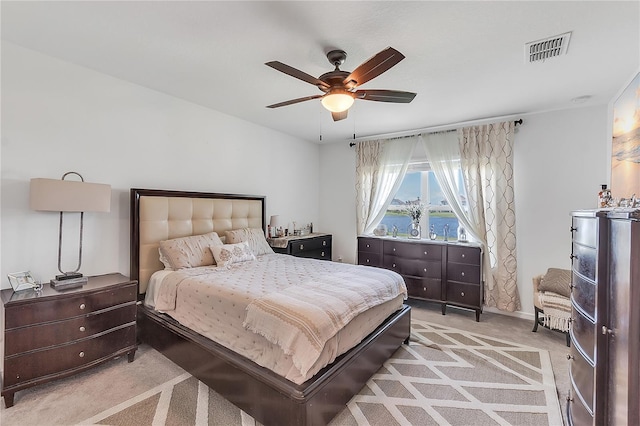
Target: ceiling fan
340, 87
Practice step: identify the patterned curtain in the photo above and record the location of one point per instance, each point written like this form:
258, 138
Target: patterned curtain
486, 154
380, 168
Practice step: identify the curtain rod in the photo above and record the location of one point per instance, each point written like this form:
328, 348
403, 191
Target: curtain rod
432, 130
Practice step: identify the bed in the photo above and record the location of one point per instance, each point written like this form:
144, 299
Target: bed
271, 398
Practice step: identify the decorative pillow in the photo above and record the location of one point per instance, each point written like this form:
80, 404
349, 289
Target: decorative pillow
229, 254
557, 281
189, 252
254, 236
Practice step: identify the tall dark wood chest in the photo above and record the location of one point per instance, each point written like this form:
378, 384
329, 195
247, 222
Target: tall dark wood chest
605, 324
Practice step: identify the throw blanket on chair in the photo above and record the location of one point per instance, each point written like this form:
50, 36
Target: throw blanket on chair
301, 319
557, 310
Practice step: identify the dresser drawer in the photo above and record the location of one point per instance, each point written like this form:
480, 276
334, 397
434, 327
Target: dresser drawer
464, 294
578, 413
463, 273
413, 267
584, 295
584, 261
458, 254
21, 369
60, 309
408, 250
299, 247
369, 259
372, 245
585, 231
425, 288
583, 332
582, 374
25, 339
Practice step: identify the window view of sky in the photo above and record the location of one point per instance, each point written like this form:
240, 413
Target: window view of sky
410, 188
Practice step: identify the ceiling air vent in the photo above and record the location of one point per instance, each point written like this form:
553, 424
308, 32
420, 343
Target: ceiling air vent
550, 47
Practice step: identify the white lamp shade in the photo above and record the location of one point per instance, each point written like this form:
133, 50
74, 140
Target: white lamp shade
57, 195
275, 221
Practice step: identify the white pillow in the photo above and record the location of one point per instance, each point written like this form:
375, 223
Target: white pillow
254, 236
228, 254
189, 252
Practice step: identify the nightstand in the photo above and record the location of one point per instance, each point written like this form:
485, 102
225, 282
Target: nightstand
53, 334
315, 246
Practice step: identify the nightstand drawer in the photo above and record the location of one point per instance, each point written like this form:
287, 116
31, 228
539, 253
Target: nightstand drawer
25, 339
34, 365
60, 309
321, 254
298, 247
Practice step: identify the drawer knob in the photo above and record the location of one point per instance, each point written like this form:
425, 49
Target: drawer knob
81, 354
324, 243
394, 249
462, 274
368, 246
301, 246
394, 265
322, 254
425, 252
463, 255
82, 328
569, 357
82, 306
424, 288
462, 293
425, 269
367, 260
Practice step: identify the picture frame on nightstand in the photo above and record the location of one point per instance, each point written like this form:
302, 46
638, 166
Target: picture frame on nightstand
23, 281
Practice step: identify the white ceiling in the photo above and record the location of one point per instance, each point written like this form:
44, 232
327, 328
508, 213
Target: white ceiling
466, 60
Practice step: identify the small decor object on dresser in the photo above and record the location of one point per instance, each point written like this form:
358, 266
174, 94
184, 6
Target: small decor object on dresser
23, 281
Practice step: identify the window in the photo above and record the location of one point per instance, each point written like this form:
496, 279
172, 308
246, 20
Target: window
421, 185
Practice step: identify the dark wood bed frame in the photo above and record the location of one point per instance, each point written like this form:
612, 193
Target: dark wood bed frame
266, 396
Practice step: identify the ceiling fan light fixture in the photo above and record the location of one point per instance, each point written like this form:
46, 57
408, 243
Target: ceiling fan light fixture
338, 100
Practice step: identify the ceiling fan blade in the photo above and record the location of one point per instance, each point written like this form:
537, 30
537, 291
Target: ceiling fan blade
293, 72
294, 101
385, 96
375, 66
337, 116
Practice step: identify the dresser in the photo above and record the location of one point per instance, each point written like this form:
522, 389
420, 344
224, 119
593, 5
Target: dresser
604, 364
51, 334
315, 246
447, 273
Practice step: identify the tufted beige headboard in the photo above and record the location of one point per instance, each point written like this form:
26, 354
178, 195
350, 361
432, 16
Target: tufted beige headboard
158, 215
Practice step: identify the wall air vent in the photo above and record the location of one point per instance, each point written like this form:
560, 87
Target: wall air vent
550, 47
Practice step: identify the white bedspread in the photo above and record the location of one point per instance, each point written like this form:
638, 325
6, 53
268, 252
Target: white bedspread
214, 301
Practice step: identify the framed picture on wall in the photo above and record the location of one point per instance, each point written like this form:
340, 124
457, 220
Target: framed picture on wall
625, 144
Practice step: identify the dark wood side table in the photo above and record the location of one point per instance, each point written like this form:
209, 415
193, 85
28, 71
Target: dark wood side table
315, 246
52, 334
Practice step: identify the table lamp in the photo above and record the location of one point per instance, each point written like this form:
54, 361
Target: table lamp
67, 196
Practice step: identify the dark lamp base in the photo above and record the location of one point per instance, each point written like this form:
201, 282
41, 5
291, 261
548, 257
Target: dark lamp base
68, 283
68, 276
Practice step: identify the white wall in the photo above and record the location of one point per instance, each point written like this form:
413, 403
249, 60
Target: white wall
560, 161
59, 117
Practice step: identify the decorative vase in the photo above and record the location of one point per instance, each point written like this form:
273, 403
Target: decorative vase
432, 233
381, 230
414, 230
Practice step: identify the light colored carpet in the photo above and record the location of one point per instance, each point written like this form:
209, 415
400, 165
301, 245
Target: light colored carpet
445, 376
77, 398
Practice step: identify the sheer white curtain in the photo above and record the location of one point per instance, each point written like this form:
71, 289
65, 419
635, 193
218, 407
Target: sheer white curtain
486, 154
443, 153
380, 168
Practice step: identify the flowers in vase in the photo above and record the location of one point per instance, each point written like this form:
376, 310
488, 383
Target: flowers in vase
415, 211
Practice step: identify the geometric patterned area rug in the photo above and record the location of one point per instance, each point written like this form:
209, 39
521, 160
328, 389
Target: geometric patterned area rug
444, 376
